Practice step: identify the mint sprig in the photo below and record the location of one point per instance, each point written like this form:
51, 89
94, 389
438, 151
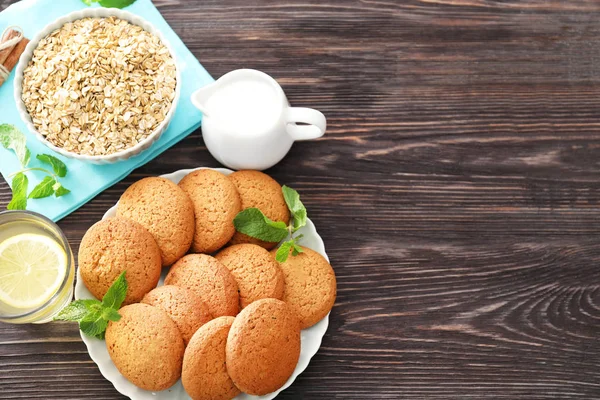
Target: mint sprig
254, 223
13, 139
93, 315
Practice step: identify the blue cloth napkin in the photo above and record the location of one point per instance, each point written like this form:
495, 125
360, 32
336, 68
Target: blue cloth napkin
86, 180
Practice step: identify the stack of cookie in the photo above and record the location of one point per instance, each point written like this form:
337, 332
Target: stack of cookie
229, 316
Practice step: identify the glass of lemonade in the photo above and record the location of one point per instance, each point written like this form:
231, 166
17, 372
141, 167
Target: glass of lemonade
36, 268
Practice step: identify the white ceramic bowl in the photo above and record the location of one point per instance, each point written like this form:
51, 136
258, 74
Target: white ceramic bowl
94, 13
310, 338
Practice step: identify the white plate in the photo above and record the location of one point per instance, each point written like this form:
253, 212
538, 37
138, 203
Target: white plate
310, 338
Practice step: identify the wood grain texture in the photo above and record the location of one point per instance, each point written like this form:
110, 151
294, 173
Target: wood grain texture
457, 191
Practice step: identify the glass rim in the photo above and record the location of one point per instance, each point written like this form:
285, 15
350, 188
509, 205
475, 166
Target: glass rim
65, 244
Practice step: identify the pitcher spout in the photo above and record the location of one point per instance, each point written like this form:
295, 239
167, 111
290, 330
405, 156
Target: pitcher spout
200, 97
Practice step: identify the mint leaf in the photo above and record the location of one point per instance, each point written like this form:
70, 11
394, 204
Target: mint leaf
297, 249
116, 3
59, 167
12, 138
116, 293
19, 192
43, 189
60, 190
254, 223
283, 251
94, 325
75, 311
110, 3
292, 199
110, 314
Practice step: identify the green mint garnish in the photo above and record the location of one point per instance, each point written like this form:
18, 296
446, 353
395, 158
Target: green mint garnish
116, 3
59, 167
43, 189
93, 315
297, 249
115, 295
110, 3
254, 223
19, 192
284, 250
76, 311
292, 199
13, 139
60, 190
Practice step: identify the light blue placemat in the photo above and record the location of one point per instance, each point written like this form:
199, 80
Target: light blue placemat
87, 180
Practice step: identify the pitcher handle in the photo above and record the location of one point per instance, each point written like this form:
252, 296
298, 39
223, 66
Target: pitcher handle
315, 119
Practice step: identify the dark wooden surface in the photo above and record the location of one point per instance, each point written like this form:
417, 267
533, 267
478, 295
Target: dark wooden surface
457, 190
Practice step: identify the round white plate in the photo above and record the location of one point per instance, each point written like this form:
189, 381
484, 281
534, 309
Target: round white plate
310, 338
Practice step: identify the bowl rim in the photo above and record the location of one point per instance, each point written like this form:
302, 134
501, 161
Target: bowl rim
95, 12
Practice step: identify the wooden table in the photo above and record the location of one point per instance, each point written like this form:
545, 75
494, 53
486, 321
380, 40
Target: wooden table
457, 191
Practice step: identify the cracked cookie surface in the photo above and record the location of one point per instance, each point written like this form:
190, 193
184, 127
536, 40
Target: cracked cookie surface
165, 210
216, 203
112, 246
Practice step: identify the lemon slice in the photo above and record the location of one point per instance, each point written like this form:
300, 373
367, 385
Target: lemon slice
32, 268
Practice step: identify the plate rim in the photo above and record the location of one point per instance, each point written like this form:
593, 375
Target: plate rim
126, 388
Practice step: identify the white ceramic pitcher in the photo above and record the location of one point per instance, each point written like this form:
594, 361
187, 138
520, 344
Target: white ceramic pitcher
248, 123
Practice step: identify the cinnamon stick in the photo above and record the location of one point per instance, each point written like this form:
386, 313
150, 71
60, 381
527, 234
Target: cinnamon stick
4, 53
14, 56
